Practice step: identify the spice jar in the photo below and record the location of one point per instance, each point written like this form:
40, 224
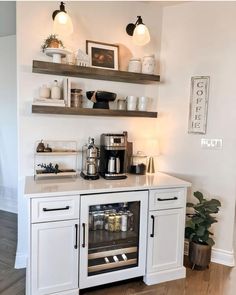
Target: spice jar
135, 65
76, 98
148, 64
55, 90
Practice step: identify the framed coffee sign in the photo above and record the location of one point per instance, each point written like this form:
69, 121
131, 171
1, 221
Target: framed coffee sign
198, 104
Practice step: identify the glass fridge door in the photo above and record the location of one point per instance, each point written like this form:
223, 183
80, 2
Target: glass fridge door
113, 237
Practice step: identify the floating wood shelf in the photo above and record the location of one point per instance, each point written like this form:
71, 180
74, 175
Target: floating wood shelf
90, 112
51, 68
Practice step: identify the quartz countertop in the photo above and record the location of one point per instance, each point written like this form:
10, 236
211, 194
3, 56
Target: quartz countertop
76, 186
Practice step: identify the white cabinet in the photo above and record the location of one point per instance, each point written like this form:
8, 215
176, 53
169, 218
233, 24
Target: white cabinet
165, 240
53, 246
165, 236
54, 257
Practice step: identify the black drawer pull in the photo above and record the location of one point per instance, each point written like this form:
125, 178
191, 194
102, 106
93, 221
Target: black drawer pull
56, 209
76, 236
169, 199
83, 226
153, 223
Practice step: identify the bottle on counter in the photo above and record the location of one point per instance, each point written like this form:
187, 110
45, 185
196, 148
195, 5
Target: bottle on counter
55, 90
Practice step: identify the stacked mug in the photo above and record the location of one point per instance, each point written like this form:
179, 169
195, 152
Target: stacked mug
139, 103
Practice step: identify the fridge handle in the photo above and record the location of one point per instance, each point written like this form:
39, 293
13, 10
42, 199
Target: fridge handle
153, 223
83, 229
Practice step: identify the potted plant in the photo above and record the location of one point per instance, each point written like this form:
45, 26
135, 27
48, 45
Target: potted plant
52, 41
198, 230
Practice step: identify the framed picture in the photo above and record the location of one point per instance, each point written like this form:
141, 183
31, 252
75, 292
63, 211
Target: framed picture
198, 104
103, 55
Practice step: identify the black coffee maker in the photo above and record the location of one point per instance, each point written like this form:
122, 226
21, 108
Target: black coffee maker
113, 155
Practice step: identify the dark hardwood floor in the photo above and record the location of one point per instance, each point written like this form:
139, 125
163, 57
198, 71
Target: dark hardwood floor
217, 280
12, 281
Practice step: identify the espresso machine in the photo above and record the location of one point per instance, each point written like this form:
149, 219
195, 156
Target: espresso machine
90, 160
113, 155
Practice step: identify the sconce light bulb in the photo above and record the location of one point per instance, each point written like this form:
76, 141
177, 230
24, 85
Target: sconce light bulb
141, 35
62, 17
62, 24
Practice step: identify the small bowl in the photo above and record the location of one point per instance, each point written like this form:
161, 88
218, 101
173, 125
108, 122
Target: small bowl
102, 98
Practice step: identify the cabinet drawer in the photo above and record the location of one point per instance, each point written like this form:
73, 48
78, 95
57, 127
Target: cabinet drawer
167, 198
54, 208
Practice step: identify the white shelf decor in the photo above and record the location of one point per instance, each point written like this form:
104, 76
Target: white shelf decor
61, 153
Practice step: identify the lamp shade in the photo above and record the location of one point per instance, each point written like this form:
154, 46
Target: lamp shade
62, 24
141, 35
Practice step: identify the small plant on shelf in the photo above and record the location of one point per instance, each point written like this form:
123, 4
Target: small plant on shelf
52, 41
50, 168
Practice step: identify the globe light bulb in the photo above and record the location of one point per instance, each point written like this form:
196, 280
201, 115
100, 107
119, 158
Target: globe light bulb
62, 24
141, 35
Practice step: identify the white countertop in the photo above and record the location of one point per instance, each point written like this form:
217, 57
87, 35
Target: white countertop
74, 186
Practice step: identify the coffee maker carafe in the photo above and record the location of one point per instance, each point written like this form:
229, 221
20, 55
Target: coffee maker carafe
90, 160
113, 155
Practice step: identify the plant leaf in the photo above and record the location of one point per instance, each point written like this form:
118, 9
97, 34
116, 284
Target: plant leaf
210, 242
198, 195
189, 205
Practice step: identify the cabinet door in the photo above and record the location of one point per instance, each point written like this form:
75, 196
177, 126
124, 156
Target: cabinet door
165, 240
54, 256
112, 255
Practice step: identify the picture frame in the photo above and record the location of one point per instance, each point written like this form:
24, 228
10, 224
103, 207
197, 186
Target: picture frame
198, 106
103, 55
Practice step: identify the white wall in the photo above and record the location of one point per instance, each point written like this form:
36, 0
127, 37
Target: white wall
98, 21
199, 38
8, 124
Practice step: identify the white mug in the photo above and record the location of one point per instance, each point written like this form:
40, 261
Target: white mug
142, 103
131, 102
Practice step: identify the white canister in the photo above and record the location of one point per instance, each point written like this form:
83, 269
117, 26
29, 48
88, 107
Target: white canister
142, 103
148, 64
135, 65
131, 102
55, 90
44, 92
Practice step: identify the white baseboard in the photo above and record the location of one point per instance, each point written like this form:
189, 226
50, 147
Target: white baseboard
217, 255
223, 257
165, 276
21, 260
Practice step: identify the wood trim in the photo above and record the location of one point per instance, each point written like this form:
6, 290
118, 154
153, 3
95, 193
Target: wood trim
51, 68
90, 112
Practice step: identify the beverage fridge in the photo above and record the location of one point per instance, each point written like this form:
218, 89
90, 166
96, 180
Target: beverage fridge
112, 237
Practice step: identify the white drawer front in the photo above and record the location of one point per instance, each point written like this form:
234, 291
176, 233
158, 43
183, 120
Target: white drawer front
54, 208
167, 198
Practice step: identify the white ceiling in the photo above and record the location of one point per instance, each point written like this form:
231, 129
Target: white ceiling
7, 18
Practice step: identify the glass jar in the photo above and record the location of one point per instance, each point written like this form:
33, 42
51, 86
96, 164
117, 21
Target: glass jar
135, 65
148, 64
138, 163
76, 98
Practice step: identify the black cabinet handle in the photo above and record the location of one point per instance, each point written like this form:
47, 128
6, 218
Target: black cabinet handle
153, 224
76, 236
56, 209
83, 226
169, 199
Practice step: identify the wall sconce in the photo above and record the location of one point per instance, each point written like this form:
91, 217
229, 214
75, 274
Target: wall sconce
139, 32
62, 23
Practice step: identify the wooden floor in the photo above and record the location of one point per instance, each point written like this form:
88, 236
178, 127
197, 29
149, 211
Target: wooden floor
12, 281
217, 280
